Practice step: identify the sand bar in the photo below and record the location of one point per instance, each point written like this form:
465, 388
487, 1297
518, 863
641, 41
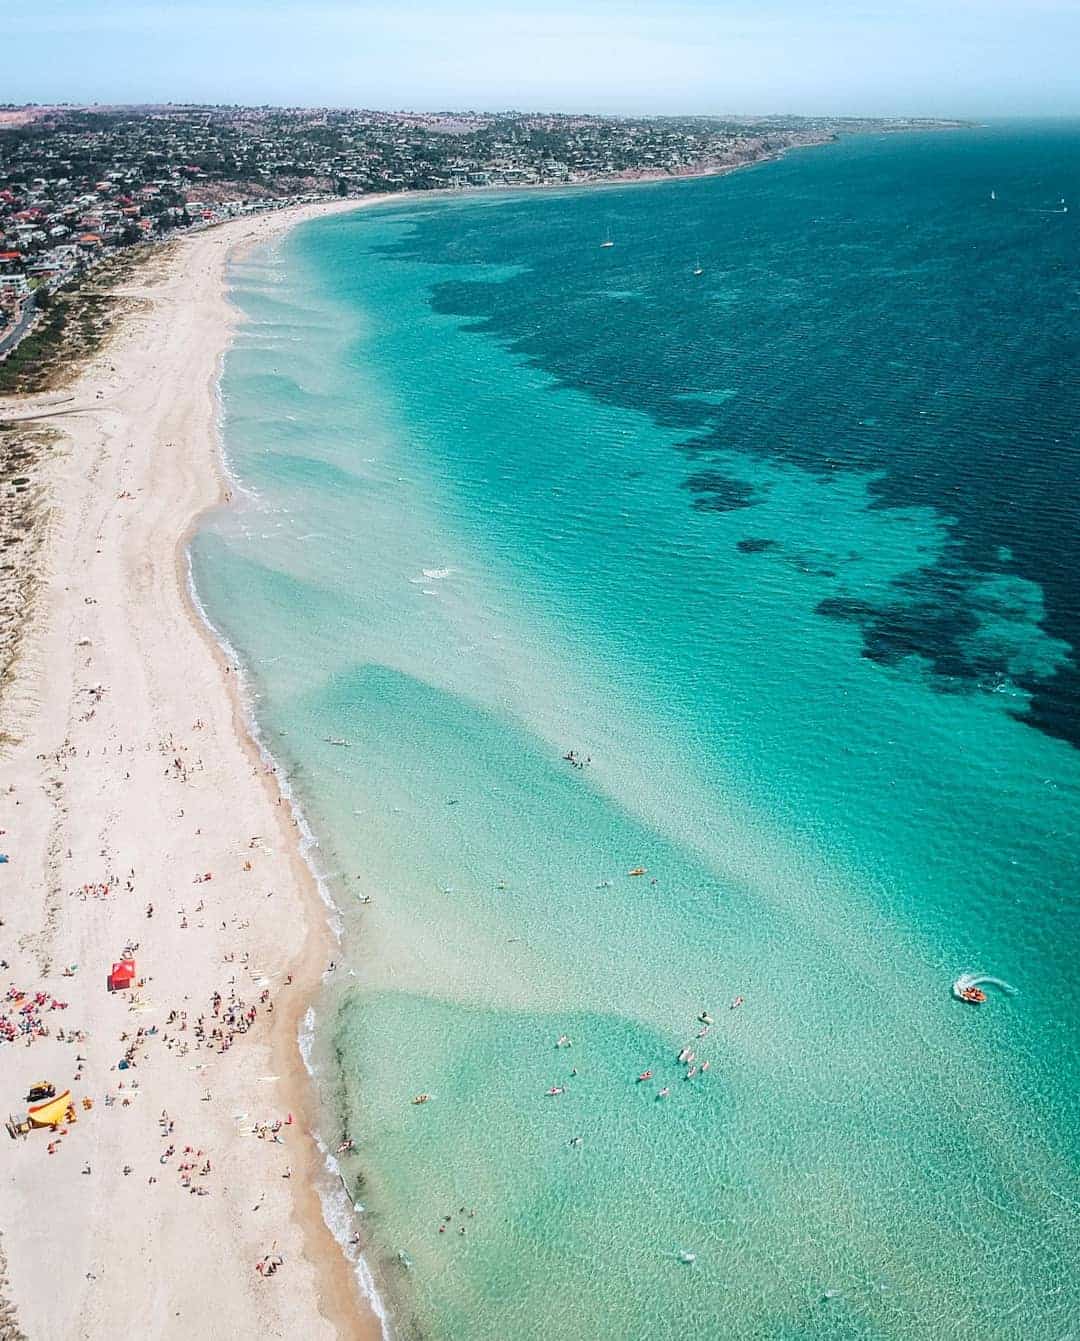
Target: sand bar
126, 768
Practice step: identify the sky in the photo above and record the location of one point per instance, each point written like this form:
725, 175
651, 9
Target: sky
979, 58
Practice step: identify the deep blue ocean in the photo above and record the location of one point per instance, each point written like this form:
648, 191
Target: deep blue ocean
785, 551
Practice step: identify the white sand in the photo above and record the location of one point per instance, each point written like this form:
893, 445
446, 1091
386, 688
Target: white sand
104, 1253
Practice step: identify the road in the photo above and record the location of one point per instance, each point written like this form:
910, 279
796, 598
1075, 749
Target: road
21, 327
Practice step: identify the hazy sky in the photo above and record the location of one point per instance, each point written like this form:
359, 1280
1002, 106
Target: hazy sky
968, 57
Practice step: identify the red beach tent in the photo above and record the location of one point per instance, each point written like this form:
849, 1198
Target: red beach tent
122, 975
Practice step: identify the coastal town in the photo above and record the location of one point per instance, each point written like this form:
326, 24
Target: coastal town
78, 184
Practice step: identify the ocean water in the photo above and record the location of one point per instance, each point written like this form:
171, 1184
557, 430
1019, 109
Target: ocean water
787, 550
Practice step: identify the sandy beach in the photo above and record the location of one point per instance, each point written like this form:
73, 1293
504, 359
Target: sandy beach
137, 817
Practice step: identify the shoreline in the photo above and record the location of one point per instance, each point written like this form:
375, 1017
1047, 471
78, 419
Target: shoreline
291, 1057
122, 395
306, 968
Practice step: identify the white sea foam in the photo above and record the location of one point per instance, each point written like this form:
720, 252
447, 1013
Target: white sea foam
339, 1212
306, 1038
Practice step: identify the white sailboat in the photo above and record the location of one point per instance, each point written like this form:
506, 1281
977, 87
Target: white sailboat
698, 268
993, 195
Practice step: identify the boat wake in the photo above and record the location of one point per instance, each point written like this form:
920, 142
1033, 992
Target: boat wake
967, 981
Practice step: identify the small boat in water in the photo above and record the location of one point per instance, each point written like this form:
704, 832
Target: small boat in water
969, 987
421, 1098
638, 870
335, 740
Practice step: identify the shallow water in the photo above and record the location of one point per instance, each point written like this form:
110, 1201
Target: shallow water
787, 551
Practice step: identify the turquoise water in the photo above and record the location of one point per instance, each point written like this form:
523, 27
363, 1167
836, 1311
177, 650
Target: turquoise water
787, 550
